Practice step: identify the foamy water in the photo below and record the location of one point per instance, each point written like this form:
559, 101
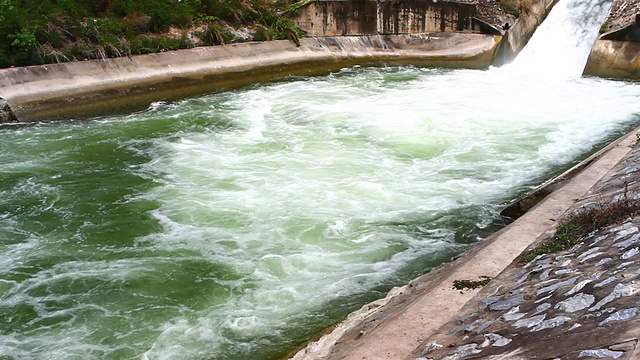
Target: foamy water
237, 225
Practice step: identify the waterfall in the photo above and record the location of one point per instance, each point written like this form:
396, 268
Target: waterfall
561, 44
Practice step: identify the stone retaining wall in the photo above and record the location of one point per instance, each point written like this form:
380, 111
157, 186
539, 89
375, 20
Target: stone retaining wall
577, 303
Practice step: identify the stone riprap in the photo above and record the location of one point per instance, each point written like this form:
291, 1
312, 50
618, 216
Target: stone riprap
582, 303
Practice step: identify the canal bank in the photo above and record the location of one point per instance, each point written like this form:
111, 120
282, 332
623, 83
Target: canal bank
120, 85
399, 325
82, 89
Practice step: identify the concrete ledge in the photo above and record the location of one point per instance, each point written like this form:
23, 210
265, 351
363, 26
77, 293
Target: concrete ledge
81, 89
614, 59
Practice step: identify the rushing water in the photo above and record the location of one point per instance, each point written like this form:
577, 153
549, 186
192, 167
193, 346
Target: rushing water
237, 225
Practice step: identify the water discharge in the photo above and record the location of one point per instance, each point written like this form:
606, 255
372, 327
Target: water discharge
236, 225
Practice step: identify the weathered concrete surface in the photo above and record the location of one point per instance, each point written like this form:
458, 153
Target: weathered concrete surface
616, 53
614, 59
323, 18
334, 18
79, 89
579, 303
394, 327
522, 30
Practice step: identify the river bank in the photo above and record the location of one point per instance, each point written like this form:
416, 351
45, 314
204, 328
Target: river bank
81, 89
427, 309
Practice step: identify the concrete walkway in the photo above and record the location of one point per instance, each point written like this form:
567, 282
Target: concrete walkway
398, 326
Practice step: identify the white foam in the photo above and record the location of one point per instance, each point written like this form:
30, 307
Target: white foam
306, 194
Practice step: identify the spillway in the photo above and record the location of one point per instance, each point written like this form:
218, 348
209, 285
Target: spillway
237, 225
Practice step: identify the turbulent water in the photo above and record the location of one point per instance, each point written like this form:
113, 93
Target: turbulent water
236, 225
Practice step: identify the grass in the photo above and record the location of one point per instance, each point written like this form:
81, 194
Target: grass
580, 224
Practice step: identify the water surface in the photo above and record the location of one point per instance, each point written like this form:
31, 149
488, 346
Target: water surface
237, 225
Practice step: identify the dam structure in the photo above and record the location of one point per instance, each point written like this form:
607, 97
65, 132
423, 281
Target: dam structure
241, 224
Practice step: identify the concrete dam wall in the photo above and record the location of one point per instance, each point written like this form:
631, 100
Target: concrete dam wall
335, 18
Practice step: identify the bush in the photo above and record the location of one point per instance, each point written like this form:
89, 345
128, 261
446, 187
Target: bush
36, 32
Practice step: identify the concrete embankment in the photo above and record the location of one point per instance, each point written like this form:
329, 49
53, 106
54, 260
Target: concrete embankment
80, 89
426, 316
578, 303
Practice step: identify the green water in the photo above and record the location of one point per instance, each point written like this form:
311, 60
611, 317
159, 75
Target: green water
237, 225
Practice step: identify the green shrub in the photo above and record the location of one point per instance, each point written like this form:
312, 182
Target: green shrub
35, 32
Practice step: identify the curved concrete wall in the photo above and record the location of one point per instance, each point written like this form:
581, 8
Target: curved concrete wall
614, 59
80, 89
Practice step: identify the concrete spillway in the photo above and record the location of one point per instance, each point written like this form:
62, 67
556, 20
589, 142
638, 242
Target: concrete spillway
239, 224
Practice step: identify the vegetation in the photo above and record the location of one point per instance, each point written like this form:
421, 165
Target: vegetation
471, 284
582, 223
515, 7
46, 31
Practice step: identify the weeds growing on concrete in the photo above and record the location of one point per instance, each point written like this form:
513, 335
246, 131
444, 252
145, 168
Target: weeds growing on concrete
580, 224
471, 284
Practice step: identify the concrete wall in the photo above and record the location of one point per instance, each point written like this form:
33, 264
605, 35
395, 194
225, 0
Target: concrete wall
86, 88
332, 18
338, 18
614, 59
522, 30
616, 54
424, 16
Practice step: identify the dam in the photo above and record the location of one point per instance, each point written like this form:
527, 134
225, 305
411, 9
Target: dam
239, 224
